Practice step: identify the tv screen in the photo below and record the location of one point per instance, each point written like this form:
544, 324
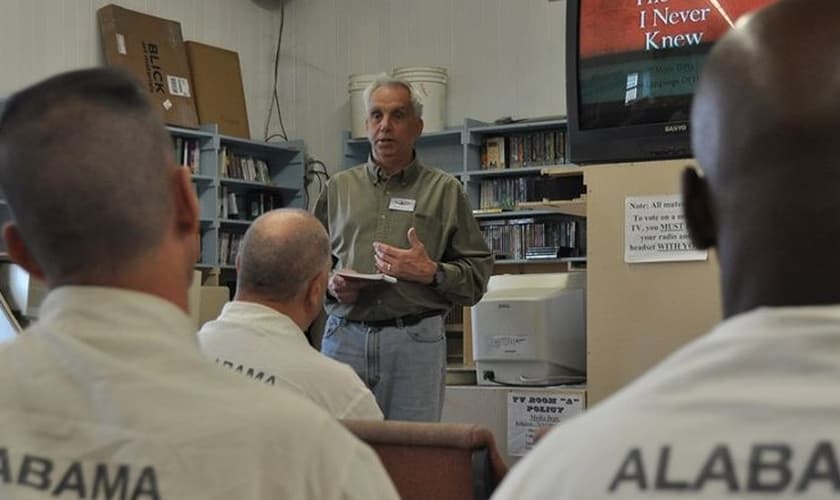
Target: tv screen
631, 70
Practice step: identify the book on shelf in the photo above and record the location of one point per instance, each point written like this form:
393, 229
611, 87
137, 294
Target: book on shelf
507, 193
255, 205
247, 205
224, 241
233, 205
229, 247
541, 148
560, 236
259, 202
540, 253
187, 153
244, 167
223, 203
495, 156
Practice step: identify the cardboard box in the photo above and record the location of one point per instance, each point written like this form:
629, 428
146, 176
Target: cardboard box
152, 49
217, 85
213, 298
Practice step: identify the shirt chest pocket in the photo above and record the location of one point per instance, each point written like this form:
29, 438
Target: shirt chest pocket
430, 231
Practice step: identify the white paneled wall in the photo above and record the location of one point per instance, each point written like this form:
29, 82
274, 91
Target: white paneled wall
39, 38
505, 57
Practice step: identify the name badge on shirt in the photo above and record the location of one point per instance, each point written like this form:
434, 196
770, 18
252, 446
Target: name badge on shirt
402, 204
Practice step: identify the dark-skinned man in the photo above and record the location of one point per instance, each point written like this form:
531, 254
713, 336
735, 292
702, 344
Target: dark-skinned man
750, 409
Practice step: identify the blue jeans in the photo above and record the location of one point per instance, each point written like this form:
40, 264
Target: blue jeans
405, 368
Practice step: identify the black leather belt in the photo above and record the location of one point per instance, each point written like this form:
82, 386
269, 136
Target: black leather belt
403, 321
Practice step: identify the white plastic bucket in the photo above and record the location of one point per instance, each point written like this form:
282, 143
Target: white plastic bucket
358, 111
430, 83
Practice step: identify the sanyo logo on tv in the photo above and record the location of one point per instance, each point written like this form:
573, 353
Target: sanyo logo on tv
681, 127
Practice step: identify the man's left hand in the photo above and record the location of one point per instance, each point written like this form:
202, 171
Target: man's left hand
411, 264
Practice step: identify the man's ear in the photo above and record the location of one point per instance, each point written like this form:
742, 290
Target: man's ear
19, 253
700, 221
316, 290
185, 203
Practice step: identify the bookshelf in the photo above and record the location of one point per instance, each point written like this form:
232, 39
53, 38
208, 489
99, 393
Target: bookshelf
519, 207
236, 180
531, 195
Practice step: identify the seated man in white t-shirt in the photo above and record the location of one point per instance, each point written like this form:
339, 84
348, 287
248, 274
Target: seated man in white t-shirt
283, 266
751, 409
107, 394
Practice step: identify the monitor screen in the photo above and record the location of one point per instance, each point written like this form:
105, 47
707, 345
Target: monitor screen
633, 68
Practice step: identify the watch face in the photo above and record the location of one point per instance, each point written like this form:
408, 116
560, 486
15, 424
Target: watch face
439, 275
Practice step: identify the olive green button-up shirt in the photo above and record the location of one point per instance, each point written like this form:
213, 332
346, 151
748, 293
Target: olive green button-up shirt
360, 206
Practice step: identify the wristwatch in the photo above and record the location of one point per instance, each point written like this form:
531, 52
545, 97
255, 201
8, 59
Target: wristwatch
439, 275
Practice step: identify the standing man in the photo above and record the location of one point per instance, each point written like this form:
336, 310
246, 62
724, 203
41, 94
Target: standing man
397, 216
282, 270
750, 410
107, 395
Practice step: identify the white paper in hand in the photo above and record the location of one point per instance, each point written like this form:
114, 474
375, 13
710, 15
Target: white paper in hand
353, 275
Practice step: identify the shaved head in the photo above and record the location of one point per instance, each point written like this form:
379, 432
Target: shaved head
771, 83
281, 252
83, 164
764, 130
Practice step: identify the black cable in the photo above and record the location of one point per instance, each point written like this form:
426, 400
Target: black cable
320, 188
312, 173
275, 96
308, 181
323, 172
272, 136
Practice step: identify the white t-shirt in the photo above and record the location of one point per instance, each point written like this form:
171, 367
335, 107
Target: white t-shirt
107, 396
750, 409
269, 347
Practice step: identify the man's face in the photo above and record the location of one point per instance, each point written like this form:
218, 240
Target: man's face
392, 126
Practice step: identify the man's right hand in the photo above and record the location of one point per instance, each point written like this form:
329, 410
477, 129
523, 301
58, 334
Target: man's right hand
345, 291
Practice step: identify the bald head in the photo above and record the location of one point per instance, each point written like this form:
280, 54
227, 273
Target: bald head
281, 253
83, 164
764, 126
770, 84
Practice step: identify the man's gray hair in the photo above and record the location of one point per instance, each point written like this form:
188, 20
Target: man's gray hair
84, 166
280, 254
384, 80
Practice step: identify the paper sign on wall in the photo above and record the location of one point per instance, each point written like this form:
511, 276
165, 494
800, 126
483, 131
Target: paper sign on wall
527, 412
655, 231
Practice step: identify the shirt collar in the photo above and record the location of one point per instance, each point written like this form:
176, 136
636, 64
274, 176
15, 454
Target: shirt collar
121, 310
766, 321
262, 318
404, 176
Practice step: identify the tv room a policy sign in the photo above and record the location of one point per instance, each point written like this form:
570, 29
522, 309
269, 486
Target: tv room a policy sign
655, 230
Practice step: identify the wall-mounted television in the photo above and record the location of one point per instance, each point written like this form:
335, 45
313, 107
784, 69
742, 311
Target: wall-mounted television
631, 67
